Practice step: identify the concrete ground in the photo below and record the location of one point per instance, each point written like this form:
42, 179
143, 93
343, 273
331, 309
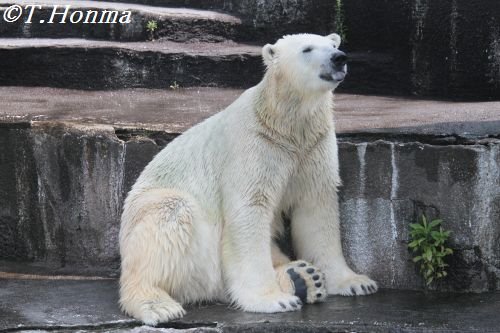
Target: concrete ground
37, 303
176, 110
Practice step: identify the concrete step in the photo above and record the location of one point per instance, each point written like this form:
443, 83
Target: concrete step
69, 157
177, 20
97, 65
204, 4
429, 42
84, 64
75, 305
174, 24
268, 20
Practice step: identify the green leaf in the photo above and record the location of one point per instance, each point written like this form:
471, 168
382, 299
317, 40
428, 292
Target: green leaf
429, 280
436, 235
416, 226
428, 254
435, 223
413, 244
417, 258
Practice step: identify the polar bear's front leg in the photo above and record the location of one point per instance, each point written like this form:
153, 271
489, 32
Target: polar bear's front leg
248, 268
253, 185
315, 221
316, 235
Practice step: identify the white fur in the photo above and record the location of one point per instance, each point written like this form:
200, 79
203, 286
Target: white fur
198, 223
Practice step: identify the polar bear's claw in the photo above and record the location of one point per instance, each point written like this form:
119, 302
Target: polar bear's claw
271, 303
355, 285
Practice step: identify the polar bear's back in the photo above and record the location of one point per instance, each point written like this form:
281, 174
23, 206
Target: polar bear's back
195, 161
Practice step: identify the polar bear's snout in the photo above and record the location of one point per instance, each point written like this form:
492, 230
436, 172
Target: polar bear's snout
336, 70
339, 59
339, 64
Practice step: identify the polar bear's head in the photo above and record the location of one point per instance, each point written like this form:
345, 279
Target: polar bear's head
306, 61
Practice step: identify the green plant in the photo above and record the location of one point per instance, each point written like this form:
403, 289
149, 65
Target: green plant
428, 244
151, 26
174, 86
340, 20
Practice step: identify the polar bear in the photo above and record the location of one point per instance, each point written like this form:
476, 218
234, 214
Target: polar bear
200, 222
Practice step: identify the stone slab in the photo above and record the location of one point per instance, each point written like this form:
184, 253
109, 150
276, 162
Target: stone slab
175, 110
99, 65
174, 24
72, 305
94, 65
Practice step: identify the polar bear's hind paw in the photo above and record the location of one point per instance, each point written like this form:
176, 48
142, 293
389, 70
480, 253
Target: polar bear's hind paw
153, 312
308, 281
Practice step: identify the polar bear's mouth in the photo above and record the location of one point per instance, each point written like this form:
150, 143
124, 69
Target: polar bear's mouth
337, 76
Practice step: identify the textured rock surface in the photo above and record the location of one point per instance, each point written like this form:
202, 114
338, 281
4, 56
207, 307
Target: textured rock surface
98, 65
446, 49
443, 48
63, 187
388, 185
265, 19
62, 306
63, 194
174, 24
84, 64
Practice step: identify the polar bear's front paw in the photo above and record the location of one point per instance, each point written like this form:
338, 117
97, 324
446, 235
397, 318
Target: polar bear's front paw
303, 280
353, 285
270, 303
154, 312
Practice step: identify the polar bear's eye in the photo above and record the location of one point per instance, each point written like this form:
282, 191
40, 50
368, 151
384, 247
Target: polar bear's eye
307, 49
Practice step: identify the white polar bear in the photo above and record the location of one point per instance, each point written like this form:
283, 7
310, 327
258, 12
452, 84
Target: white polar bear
199, 223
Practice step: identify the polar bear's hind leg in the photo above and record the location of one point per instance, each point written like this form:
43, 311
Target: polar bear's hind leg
157, 229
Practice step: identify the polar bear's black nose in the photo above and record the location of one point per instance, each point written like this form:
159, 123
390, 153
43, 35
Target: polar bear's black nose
339, 59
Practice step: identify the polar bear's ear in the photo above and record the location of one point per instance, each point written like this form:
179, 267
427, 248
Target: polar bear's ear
268, 53
336, 39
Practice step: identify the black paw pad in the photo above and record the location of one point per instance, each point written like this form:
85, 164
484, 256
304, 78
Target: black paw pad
299, 283
316, 277
318, 284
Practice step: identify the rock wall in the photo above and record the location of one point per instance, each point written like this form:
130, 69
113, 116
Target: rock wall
388, 185
62, 188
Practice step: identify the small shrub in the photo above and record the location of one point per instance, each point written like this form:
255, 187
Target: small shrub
174, 86
151, 26
428, 244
